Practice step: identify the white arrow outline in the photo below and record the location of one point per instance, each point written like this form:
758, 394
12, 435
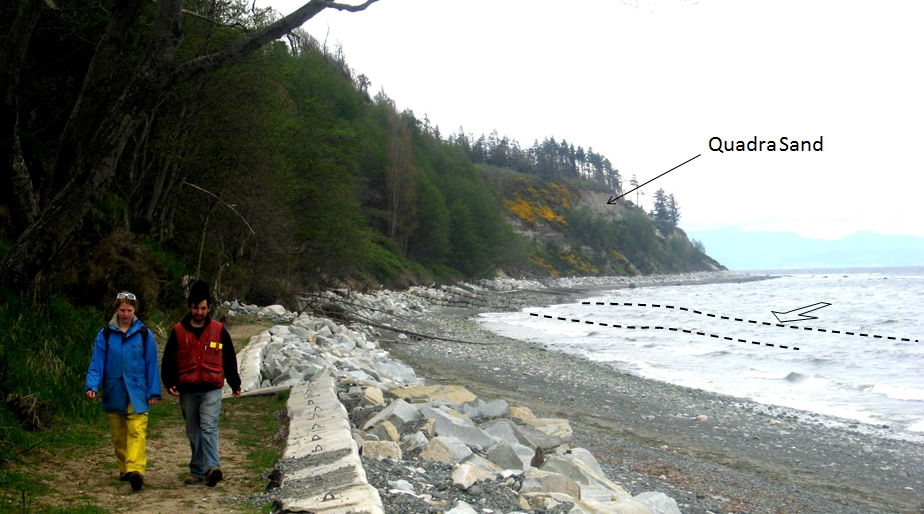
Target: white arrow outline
800, 312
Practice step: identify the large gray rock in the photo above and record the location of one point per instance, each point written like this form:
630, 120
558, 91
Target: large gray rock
472, 436
279, 330
361, 377
480, 462
415, 441
538, 481
399, 413
381, 449
300, 332
511, 455
290, 377
495, 409
546, 432
617, 507
658, 503
589, 479
385, 431
433, 410
448, 450
502, 430
481, 409
396, 372
587, 458
466, 475
372, 396
343, 342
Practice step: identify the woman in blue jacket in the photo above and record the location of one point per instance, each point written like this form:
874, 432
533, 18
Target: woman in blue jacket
124, 363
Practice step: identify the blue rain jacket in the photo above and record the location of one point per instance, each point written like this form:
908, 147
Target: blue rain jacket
127, 371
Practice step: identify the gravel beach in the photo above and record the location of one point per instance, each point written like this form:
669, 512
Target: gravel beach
710, 452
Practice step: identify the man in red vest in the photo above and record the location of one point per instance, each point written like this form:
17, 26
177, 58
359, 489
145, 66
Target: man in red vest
198, 358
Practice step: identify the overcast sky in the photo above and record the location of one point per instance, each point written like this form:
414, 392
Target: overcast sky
647, 84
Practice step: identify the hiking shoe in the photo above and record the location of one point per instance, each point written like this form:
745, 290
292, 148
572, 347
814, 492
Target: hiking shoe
192, 480
123, 477
213, 476
136, 480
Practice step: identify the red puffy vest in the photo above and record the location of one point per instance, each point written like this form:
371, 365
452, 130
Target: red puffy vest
200, 359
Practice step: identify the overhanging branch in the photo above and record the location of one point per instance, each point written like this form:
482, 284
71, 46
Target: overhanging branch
235, 25
352, 8
259, 38
228, 205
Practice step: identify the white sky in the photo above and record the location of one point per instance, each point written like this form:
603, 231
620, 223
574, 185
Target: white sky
647, 84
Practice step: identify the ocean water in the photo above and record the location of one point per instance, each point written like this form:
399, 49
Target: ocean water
873, 380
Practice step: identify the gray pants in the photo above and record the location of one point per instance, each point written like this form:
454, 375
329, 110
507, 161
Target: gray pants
200, 410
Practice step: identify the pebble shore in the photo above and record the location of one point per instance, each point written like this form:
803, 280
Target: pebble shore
703, 452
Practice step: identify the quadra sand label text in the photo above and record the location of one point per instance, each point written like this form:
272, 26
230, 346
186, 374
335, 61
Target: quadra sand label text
717, 144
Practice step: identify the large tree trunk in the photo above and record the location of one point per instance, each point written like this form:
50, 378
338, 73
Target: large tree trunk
96, 94
16, 174
90, 173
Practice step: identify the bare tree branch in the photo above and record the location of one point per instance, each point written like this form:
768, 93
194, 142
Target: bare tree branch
222, 201
352, 8
235, 25
193, 14
259, 38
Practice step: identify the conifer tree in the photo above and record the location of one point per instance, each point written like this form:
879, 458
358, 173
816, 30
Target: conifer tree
673, 211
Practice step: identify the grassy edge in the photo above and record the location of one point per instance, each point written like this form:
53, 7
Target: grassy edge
250, 422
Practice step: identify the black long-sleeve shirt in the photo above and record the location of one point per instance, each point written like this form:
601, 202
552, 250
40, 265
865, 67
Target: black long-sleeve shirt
170, 371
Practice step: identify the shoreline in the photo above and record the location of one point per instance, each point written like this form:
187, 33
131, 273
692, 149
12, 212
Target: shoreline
743, 457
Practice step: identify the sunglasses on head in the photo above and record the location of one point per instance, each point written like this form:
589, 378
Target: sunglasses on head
130, 296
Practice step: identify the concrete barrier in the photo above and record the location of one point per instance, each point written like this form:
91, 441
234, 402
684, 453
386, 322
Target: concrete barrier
249, 363
323, 470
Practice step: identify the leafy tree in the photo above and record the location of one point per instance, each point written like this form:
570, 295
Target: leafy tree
108, 110
400, 181
430, 243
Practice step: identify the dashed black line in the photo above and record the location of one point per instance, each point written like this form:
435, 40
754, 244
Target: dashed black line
630, 304
672, 329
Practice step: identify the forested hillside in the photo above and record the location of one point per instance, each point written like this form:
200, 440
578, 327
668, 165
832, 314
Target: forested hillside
277, 174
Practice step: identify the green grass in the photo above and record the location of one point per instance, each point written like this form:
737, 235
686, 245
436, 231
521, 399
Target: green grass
81, 509
255, 422
162, 414
14, 481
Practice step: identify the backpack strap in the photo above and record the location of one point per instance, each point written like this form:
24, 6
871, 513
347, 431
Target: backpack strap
144, 340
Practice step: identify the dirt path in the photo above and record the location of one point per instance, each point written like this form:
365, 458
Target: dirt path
86, 474
93, 478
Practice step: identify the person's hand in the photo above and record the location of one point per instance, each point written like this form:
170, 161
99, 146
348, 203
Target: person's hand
173, 391
236, 394
152, 401
91, 394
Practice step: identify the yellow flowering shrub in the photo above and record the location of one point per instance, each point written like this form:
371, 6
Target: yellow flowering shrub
547, 203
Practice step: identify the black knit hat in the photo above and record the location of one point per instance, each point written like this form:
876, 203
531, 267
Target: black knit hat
198, 292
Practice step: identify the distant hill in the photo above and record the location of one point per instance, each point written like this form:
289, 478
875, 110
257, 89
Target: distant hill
741, 250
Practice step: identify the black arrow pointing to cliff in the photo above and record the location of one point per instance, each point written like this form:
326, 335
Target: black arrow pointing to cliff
799, 314
613, 200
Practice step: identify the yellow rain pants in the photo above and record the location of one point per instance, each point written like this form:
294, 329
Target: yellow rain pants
128, 438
